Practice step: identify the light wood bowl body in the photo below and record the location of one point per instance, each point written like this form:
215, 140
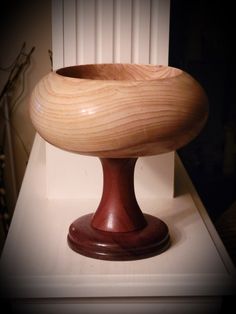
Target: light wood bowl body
118, 110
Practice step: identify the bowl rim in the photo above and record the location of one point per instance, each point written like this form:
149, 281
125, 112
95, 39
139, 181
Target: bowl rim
175, 71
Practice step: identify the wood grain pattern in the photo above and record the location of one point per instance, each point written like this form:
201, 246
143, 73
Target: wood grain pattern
118, 110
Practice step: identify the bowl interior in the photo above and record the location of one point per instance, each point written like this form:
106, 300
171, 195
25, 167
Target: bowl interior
119, 72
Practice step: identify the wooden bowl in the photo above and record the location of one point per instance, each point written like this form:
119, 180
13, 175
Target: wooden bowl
118, 110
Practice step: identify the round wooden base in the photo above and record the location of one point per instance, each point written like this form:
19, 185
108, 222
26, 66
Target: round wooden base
116, 246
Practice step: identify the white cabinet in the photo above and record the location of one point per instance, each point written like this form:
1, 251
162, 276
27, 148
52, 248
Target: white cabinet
46, 276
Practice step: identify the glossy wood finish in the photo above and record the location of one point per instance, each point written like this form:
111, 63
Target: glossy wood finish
118, 210
146, 242
118, 230
118, 110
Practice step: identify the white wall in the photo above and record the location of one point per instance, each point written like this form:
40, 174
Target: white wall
30, 22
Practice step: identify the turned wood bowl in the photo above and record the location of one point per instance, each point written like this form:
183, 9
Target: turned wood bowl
118, 110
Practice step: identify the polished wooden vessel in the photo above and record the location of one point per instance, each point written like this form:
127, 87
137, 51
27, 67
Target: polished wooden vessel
118, 112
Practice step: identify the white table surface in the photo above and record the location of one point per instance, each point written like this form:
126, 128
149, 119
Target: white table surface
37, 262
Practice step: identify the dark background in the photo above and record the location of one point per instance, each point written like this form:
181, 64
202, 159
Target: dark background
202, 37
202, 42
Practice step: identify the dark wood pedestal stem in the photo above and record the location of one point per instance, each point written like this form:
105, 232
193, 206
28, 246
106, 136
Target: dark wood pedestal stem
118, 230
118, 210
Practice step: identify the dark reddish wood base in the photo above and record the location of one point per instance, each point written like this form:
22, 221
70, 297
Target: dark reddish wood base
117, 246
118, 230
